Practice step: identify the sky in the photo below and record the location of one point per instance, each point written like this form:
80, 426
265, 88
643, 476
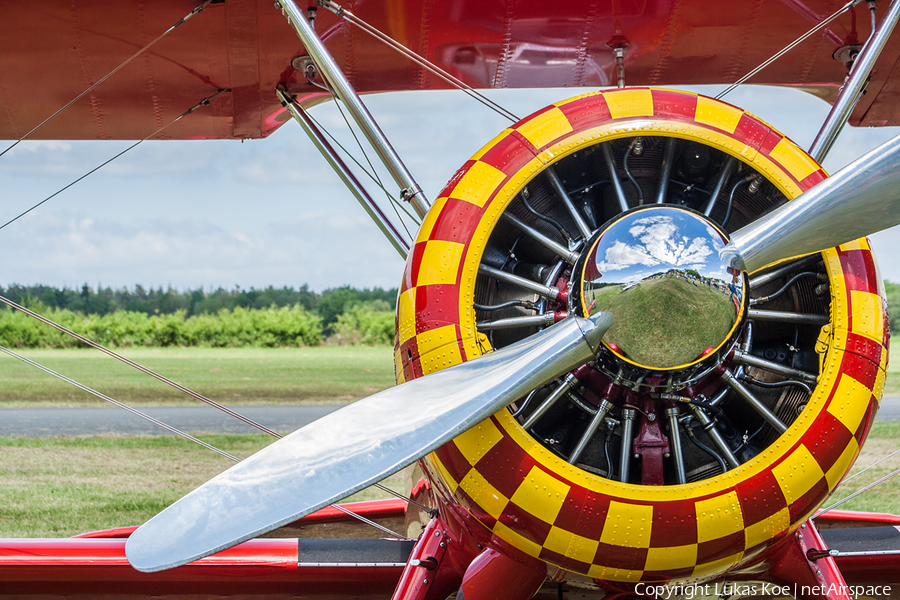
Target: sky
270, 212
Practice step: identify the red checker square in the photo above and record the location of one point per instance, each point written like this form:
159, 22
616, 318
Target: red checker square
862, 431
861, 369
620, 557
751, 131
674, 105
719, 548
451, 185
859, 270
812, 179
453, 460
413, 264
865, 347
524, 523
674, 524
593, 515
457, 221
586, 112
664, 576
566, 563
505, 466
771, 140
570, 513
466, 500
436, 306
409, 357
760, 497
806, 503
827, 440
526, 142
509, 154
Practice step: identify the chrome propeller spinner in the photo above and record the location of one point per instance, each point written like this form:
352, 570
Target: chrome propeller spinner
677, 306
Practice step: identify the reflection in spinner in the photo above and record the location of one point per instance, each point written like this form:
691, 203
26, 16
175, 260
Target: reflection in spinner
674, 302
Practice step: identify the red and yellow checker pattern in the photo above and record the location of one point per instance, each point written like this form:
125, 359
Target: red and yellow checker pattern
527, 497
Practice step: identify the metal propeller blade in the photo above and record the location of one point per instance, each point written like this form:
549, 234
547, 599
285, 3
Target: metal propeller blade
356, 446
860, 199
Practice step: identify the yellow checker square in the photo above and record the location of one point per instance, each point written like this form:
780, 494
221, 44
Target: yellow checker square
406, 315
850, 402
722, 116
431, 340
878, 388
673, 557
571, 545
627, 525
629, 103
477, 441
842, 464
614, 574
545, 127
524, 544
441, 358
868, 315
718, 566
767, 528
541, 494
478, 182
797, 474
440, 263
482, 492
431, 218
718, 517
443, 474
792, 158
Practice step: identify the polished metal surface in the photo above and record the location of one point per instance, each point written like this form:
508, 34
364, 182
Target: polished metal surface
855, 84
347, 94
606, 150
745, 358
658, 271
860, 199
665, 171
555, 247
757, 314
763, 410
515, 322
547, 291
393, 235
568, 383
596, 421
625, 450
727, 168
716, 436
675, 438
567, 200
356, 446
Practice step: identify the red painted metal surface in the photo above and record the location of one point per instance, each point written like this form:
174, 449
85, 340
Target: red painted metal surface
495, 575
51, 51
63, 568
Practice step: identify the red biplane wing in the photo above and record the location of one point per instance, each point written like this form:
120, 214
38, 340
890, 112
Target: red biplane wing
51, 51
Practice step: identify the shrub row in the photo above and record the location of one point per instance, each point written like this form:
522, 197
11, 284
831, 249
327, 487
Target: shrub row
268, 327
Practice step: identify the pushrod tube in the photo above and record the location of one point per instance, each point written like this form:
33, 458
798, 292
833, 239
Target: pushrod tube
326, 64
365, 200
853, 87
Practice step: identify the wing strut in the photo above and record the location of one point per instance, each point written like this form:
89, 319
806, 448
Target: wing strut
343, 90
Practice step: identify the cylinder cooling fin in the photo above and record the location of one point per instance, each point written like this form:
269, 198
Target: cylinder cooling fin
723, 407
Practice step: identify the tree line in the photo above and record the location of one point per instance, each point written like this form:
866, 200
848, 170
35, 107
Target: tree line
220, 318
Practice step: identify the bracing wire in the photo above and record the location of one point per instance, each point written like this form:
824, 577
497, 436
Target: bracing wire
198, 9
114, 402
202, 103
789, 47
417, 58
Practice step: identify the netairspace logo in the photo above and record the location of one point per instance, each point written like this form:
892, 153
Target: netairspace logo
668, 592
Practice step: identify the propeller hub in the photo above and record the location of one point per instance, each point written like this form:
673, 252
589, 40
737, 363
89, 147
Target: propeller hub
676, 305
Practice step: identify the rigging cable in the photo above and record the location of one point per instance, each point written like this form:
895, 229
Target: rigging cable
200, 104
198, 9
789, 47
418, 59
133, 411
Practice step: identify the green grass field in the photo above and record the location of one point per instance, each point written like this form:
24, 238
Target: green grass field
230, 375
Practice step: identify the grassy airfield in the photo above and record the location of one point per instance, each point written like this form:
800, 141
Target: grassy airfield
57, 487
